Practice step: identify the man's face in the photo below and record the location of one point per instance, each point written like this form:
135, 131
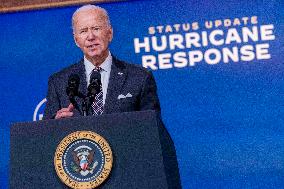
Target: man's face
92, 34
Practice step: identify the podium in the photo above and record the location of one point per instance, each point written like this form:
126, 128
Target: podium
143, 153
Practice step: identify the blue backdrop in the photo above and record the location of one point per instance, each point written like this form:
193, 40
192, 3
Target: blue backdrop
226, 119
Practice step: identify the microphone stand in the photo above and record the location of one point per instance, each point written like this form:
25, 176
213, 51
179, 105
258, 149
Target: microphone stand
84, 107
84, 104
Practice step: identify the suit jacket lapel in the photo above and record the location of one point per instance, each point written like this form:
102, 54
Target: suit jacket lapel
117, 78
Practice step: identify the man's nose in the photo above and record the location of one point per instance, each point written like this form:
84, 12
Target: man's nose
91, 35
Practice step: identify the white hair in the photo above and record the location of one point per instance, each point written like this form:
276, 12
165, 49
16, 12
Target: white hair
91, 7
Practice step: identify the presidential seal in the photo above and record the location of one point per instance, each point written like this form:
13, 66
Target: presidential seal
83, 160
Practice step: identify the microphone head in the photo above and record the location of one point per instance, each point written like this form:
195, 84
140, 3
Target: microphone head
95, 84
73, 85
74, 80
95, 77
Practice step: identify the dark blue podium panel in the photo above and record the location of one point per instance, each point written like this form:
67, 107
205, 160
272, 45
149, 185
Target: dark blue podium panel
143, 153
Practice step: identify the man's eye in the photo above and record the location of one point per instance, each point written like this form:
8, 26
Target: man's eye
83, 31
96, 29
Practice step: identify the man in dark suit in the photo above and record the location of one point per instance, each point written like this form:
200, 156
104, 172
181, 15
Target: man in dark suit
125, 87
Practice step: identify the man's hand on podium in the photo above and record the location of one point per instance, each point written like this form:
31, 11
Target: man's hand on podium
65, 112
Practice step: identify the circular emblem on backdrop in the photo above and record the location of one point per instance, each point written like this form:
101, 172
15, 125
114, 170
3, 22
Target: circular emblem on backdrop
38, 112
83, 159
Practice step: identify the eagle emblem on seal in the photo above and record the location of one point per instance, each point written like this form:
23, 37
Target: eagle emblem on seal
83, 160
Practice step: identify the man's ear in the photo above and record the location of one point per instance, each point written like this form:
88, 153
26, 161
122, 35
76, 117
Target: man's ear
75, 40
111, 34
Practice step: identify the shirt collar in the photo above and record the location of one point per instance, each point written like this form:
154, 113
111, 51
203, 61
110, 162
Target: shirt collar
106, 65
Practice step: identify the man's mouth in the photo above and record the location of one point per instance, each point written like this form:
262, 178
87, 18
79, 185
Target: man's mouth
92, 46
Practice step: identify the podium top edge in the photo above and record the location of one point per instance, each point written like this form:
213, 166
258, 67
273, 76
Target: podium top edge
149, 113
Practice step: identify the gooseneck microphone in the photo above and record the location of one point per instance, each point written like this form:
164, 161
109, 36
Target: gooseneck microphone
72, 89
94, 87
95, 84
